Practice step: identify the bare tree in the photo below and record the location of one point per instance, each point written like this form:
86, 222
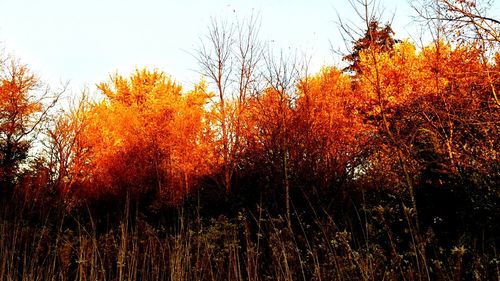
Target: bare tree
229, 57
465, 19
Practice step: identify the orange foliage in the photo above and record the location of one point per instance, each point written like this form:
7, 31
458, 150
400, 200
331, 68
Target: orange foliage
21, 113
437, 102
435, 107
146, 136
328, 127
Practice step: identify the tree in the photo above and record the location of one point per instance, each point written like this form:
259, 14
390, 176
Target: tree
330, 137
146, 138
65, 149
24, 105
230, 59
465, 22
463, 19
281, 76
369, 51
375, 37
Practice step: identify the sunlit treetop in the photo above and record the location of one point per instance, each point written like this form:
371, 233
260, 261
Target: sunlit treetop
143, 87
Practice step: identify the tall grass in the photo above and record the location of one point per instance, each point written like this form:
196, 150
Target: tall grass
57, 244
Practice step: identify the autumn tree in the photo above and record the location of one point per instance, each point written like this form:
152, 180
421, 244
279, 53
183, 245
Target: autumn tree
465, 42
267, 127
438, 106
64, 145
24, 105
464, 23
145, 138
281, 76
330, 137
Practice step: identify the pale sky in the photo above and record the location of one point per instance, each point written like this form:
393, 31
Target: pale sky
85, 41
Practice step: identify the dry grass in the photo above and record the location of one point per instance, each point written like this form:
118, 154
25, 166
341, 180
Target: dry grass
251, 246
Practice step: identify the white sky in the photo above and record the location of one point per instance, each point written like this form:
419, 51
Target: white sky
85, 41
